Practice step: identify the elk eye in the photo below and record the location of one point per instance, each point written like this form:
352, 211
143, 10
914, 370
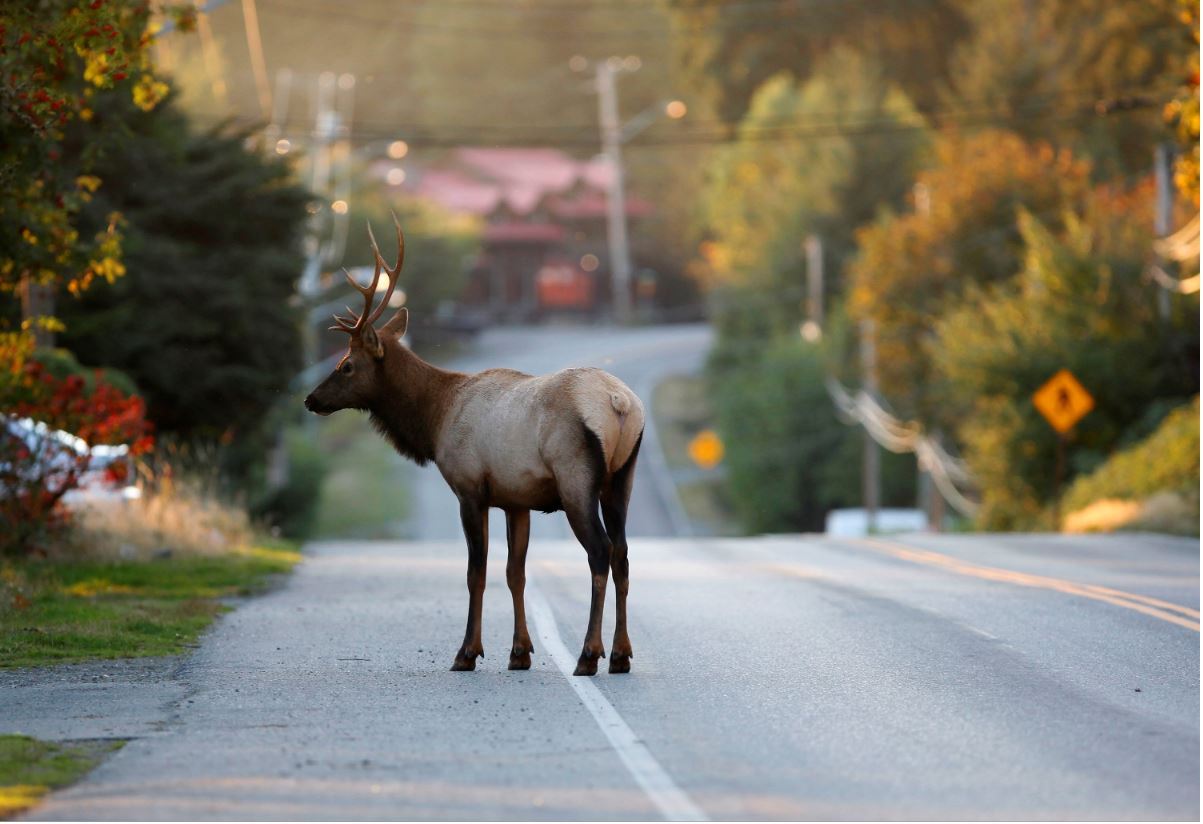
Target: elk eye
346, 368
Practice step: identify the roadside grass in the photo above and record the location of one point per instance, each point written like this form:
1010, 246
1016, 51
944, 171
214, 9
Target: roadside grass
681, 408
30, 768
363, 494
66, 610
1152, 485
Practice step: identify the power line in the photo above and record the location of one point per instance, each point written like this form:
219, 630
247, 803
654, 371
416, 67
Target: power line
580, 137
947, 472
670, 19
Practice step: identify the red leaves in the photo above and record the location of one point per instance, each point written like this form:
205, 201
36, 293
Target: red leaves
38, 467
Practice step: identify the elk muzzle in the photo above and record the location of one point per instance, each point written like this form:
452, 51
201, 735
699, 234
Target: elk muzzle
316, 406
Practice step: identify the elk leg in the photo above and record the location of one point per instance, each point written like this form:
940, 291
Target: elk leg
614, 513
474, 518
587, 527
517, 533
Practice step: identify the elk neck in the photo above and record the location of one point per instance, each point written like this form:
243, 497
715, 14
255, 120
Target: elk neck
415, 400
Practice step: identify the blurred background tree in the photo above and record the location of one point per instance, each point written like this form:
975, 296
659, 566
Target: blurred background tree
204, 320
56, 58
938, 148
913, 265
1078, 303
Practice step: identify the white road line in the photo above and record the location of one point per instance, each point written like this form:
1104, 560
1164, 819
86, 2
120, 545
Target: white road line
670, 799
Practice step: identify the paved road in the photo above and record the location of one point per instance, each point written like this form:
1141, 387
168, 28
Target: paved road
934, 677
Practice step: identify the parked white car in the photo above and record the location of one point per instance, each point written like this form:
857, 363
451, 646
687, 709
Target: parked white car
854, 523
96, 486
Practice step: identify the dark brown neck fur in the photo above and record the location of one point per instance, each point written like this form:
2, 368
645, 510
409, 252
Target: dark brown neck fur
413, 403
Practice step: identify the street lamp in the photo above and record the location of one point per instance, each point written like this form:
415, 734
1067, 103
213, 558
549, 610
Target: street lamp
613, 135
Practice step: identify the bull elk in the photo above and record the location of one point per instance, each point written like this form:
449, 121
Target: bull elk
566, 441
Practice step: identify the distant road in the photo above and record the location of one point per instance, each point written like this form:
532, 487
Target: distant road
792, 677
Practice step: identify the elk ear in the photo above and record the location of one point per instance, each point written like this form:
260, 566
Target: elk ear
395, 328
371, 343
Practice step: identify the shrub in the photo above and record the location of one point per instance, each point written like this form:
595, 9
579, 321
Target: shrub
293, 506
50, 425
789, 459
1165, 461
1080, 303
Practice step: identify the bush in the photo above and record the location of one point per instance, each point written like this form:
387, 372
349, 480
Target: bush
1081, 304
789, 458
1165, 461
292, 508
62, 364
183, 509
39, 464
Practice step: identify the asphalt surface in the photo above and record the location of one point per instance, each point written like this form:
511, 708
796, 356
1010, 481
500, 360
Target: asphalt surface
795, 677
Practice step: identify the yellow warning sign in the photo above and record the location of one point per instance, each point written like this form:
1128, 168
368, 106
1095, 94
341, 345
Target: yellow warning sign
1063, 401
706, 449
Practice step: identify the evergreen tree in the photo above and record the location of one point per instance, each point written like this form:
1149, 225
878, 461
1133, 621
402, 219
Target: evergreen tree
203, 321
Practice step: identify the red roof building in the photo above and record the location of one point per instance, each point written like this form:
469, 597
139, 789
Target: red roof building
544, 241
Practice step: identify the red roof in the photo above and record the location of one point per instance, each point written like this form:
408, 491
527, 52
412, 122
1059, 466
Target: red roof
479, 181
523, 233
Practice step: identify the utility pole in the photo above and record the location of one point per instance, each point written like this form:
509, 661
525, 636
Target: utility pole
930, 499
1162, 160
324, 129
936, 508
616, 217
814, 281
871, 466
37, 301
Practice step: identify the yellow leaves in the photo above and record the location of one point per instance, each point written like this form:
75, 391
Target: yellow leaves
44, 323
87, 184
15, 349
107, 262
149, 92
109, 268
96, 68
29, 237
17, 797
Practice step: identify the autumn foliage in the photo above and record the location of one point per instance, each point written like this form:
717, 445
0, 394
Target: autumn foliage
39, 467
57, 59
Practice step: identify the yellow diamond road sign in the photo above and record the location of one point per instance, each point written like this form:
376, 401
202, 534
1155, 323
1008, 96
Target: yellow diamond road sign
1063, 401
706, 449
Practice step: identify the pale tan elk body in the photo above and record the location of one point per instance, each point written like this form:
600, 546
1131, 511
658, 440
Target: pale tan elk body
508, 440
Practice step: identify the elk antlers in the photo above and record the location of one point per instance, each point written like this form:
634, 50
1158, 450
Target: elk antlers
354, 325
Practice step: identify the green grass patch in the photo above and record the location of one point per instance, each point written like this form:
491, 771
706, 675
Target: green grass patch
30, 768
363, 494
681, 409
54, 612
681, 406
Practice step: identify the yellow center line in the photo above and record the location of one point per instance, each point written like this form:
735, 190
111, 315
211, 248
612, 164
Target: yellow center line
1153, 607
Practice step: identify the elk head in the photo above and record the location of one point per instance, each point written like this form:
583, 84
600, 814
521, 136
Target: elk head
356, 380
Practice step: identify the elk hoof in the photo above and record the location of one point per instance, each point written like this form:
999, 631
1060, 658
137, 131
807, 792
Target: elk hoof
585, 666
620, 663
519, 660
464, 661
